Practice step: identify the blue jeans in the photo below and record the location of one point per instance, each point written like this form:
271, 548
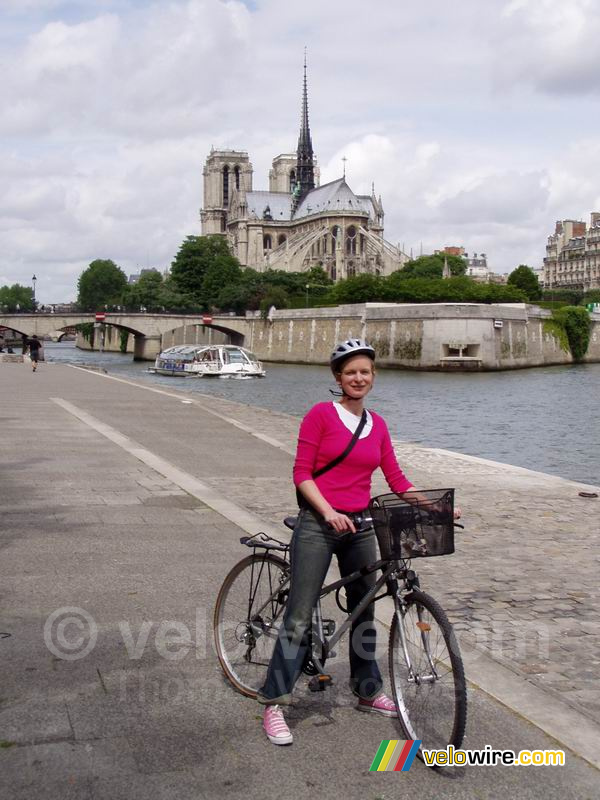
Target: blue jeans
312, 547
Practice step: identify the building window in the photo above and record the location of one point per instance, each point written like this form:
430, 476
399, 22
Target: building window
236, 172
292, 180
225, 186
281, 239
335, 232
267, 243
351, 241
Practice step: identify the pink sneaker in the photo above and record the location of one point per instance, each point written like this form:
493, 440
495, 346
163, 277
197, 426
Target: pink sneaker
382, 704
275, 726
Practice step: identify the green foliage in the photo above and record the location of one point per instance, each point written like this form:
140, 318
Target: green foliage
234, 298
360, 289
556, 329
174, 300
146, 293
452, 290
86, 329
123, 339
221, 273
433, 266
571, 297
576, 323
15, 296
524, 278
195, 256
592, 296
550, 304
276, 296
102, 284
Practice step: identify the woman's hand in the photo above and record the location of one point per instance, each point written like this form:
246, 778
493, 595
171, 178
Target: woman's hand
339, 522
457, 512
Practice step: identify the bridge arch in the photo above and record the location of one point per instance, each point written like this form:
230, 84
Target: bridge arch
148, 329
181, 335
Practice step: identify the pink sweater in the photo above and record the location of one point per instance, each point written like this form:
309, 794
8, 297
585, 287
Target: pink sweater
323, 436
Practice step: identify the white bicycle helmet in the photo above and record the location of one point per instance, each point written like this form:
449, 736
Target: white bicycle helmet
351, 347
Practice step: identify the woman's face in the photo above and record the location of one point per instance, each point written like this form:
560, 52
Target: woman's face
356, 377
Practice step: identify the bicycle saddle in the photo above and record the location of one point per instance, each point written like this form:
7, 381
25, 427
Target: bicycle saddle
290, 522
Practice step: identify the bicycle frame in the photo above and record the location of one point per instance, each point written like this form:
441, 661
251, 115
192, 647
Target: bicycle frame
318, 637
328, 643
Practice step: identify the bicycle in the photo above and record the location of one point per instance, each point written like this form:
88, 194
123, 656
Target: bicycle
425, 666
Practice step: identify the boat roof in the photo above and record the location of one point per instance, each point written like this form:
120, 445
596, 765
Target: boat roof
185, 349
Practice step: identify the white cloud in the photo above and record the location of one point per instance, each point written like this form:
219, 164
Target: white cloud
108, 109
550, 44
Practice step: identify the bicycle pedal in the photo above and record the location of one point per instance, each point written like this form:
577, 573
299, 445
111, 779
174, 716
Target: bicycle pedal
320, 682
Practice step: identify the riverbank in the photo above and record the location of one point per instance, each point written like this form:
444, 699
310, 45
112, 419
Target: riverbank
509, 417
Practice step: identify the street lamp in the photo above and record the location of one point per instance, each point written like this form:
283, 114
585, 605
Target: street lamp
307, 287
33, 280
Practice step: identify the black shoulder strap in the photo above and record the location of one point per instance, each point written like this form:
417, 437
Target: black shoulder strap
351, 443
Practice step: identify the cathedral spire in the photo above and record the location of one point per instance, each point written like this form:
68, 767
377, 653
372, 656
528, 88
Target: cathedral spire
305, 172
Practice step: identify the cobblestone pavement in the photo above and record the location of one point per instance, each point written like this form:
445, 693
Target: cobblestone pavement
86, 528
523, 585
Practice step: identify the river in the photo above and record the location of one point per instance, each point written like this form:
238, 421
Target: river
544, 419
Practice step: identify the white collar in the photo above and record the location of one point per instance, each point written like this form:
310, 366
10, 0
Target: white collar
351, 421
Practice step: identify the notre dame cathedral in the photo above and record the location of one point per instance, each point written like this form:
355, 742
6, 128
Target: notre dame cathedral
298, 223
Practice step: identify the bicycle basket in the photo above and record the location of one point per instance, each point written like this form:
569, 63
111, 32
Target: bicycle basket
414, 524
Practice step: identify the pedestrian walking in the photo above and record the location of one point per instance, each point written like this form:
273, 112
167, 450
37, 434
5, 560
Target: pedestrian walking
34, 351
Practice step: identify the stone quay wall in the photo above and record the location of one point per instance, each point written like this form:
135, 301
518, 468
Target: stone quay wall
440, 336
448, 336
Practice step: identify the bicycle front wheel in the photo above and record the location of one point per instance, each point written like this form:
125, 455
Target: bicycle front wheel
248, 614
427, 674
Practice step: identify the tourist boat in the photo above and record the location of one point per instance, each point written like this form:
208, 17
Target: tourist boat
214, 361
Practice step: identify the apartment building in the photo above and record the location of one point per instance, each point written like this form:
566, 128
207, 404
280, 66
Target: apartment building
573, 255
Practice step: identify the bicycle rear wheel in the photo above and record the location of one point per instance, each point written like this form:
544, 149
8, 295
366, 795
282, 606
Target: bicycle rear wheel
427, 674
248, 613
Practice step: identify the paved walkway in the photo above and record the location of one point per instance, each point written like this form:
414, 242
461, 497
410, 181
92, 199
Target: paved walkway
91, 521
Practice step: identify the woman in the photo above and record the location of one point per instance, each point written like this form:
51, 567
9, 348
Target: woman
332, 502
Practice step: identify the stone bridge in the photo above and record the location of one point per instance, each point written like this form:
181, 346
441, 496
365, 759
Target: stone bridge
147, 329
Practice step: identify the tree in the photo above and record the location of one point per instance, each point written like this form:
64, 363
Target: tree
16, 297
276, 296
195, 255
221, 273
577, 325
146, 293
234, 297
360, 289
433, 266
103, 283
523, 277
172, 299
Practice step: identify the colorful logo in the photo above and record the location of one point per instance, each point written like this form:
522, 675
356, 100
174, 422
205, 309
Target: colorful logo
395, 755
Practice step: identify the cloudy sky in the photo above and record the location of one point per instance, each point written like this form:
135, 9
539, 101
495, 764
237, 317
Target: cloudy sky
477, 121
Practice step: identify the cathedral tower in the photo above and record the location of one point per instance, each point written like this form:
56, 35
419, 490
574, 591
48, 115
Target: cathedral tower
224, 172
305, 169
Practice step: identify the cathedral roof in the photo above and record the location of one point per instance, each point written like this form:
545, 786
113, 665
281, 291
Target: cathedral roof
280, 204
333, 196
